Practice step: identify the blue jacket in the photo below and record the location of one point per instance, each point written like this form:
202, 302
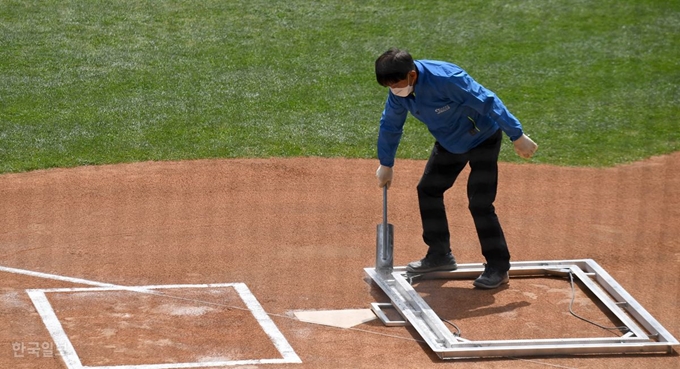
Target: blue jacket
459, 112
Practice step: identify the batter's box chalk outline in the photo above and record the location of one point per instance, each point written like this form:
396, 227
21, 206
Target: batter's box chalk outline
72, 360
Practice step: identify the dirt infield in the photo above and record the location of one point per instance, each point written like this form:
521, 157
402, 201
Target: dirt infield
298, 233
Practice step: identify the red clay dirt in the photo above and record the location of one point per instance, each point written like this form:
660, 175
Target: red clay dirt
298, 233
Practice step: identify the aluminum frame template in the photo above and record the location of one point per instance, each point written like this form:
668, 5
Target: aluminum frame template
645, 334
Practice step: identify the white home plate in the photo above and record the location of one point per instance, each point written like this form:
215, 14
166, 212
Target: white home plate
336, 318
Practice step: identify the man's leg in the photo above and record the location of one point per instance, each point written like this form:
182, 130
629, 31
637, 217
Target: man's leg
482, 187
440, 173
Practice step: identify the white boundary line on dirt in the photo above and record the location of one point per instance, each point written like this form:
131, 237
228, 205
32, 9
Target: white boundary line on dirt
55, 277
72, 360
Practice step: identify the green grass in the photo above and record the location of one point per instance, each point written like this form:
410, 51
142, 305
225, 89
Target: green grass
87, 82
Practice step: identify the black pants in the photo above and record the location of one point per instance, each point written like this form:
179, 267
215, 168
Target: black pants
440, 173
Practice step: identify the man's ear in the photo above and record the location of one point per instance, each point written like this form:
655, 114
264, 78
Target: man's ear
413, 74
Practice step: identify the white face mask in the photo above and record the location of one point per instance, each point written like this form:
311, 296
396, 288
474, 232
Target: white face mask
403, 91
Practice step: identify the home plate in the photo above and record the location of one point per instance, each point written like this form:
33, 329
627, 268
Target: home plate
336, 318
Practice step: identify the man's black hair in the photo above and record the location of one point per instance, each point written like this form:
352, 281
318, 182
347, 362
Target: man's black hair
393, 66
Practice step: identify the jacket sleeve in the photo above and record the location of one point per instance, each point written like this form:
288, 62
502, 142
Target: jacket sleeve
486, 103
391, 129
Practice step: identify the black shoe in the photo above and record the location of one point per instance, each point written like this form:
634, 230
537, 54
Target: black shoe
431, 263
491, 278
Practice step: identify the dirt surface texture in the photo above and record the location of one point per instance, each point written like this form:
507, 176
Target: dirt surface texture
155, 264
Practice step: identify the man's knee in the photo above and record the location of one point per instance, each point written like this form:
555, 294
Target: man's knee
481, 209
428, 189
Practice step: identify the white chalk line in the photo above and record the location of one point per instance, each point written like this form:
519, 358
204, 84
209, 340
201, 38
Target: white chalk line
54, 327
72, 360
111, 287
194, 365
55, 277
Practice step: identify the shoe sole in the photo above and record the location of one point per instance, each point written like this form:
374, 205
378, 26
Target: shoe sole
442, 268
490, 287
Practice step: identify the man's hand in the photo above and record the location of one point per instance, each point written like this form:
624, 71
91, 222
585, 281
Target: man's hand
525, 147
384, 175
